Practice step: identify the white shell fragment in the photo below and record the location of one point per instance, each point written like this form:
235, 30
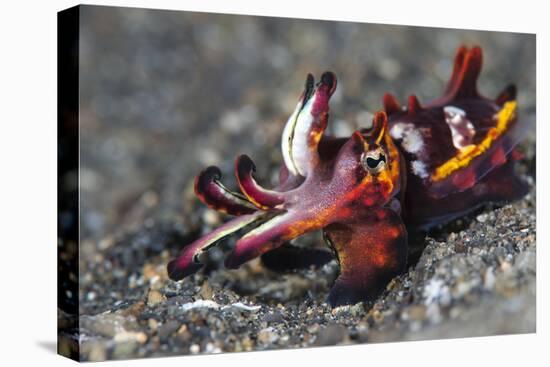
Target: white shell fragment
200, 304
216, 306
242, 307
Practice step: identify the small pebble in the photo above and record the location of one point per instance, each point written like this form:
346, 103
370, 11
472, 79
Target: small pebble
332, 335
153, 324
97, 353
267, 335
206, 290
155, 297
482, 218
194, 349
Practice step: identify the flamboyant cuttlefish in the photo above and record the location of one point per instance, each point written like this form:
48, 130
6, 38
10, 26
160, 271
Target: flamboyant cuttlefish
418, 166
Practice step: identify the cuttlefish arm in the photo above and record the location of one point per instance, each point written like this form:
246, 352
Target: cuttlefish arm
305, 127
188, 262
213, 193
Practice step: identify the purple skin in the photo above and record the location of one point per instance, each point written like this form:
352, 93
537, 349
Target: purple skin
363, 190
488, 177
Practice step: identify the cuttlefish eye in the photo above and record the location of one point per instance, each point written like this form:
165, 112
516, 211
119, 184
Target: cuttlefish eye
374, 161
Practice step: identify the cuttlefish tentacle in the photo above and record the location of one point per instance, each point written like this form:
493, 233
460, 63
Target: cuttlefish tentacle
262, 198
270, 235
188, 263
306, 125
214, 194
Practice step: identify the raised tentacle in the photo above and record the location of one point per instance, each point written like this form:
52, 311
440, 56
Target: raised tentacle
187, 262
465, 84
379, 128
391, 105
370, 253
457, 68
413, 105
306, 125
262, 198
213, 193
462, 83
